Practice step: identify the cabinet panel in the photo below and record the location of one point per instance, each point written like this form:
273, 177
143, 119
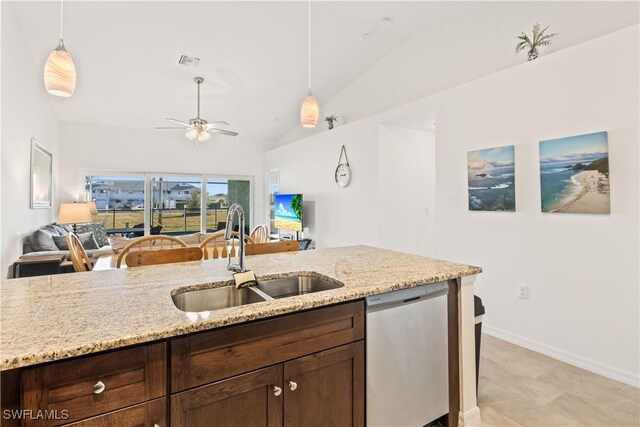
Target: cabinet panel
150, 414
244, 401
326, 388
210, 356
95, 384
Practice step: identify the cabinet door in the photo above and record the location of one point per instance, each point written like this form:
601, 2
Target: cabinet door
244, 401
326, 388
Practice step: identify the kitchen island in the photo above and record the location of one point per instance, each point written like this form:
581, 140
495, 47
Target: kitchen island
52, 318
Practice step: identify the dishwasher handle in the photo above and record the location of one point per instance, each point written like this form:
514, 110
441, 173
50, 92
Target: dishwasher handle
406, 296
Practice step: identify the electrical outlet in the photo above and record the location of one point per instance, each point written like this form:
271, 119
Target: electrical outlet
523, 291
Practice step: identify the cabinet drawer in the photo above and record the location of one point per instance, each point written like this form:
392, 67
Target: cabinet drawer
95, 385
150, 414
211, 356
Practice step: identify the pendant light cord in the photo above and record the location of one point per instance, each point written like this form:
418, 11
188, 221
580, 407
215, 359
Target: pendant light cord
61, 15
309, 50
198, 101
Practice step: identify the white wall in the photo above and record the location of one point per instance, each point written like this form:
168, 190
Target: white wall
582, 269
342, 216
108, 148
407, 191
26, 113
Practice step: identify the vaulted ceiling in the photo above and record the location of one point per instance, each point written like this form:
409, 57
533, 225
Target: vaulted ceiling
253, 55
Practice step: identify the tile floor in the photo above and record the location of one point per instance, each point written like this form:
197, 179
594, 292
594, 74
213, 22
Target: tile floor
519, 387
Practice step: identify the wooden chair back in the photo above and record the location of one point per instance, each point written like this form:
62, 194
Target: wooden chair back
260, 234
79, 257
272, 248
150, 243
166, 256
216, 246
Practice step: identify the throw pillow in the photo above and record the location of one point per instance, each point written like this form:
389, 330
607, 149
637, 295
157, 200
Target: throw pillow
42, 240
118, 243
87, 240
99, 231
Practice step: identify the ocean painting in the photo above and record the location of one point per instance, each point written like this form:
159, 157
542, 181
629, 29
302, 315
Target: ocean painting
491, 177
574, 174
288, 212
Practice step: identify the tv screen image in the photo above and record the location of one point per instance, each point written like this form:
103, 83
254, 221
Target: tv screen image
288, 212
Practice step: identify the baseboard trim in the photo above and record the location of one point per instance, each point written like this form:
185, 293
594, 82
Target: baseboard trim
590, 365
470, 418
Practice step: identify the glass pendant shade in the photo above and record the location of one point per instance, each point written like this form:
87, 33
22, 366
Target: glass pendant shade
199, 134
60, 72
309, 112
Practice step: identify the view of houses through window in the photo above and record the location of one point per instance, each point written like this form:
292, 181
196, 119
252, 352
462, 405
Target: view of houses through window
177, 204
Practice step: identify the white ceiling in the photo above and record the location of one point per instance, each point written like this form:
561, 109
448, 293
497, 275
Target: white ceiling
253, 54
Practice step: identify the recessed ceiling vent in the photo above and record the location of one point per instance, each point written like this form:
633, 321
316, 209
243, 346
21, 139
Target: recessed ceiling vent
188, 61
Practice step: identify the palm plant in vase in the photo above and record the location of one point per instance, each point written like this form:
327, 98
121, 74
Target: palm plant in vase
331, 120
538, 38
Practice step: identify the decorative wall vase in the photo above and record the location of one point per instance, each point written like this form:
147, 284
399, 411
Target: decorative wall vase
533, 54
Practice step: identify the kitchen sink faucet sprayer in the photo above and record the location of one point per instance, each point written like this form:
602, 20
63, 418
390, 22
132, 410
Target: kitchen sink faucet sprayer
241, 265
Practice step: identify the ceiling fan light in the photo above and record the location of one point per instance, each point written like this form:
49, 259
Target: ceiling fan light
192, 134
204, 135
60, 72
309, 112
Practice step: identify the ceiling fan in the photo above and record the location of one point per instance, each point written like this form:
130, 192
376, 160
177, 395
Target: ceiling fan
199, 129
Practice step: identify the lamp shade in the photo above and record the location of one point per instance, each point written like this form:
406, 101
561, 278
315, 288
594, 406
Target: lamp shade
92, 207
74, 213
60, 72
309, 112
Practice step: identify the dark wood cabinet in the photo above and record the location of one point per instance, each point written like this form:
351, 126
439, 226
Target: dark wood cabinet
150, 414
93, 385
300, 369
253, 399
326, 388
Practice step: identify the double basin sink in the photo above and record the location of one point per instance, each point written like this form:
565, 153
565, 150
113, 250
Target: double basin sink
266, 290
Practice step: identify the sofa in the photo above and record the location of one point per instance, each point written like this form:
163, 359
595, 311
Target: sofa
51, 240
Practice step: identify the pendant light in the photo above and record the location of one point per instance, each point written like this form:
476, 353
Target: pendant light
59, 71
309, 112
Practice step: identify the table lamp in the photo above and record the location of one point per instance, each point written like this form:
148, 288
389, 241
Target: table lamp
74, 213
92, 207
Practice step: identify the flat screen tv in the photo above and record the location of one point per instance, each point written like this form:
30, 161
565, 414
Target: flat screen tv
288, 212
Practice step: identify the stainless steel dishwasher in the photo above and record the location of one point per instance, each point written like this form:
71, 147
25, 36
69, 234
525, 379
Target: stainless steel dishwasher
407, 356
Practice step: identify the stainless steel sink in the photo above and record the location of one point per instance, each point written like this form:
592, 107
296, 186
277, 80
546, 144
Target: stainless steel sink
266, 290
295, 285
215, 298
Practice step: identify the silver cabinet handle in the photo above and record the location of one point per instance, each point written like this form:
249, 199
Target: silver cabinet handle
293, 385
99, 387
277, 391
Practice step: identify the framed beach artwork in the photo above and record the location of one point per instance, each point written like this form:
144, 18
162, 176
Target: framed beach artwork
491, 178
41, 176
574, 174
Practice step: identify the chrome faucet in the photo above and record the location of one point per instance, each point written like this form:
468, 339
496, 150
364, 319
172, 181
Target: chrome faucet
241, 266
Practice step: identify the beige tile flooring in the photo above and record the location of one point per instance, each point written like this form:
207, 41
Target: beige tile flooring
519, 387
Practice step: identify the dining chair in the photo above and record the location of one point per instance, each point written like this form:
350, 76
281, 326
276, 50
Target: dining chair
166, 256
216, 246
272, 247
79, 257
150, 243
260, 234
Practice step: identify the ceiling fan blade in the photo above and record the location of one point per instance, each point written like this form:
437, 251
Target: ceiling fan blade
179, 121
210, 124
222, 131
171, 127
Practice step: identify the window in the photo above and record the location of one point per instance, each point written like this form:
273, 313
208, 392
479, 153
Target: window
115, 210
175, 204
172, 207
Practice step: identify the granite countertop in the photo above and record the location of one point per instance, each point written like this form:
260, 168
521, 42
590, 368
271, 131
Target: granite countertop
49, 318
